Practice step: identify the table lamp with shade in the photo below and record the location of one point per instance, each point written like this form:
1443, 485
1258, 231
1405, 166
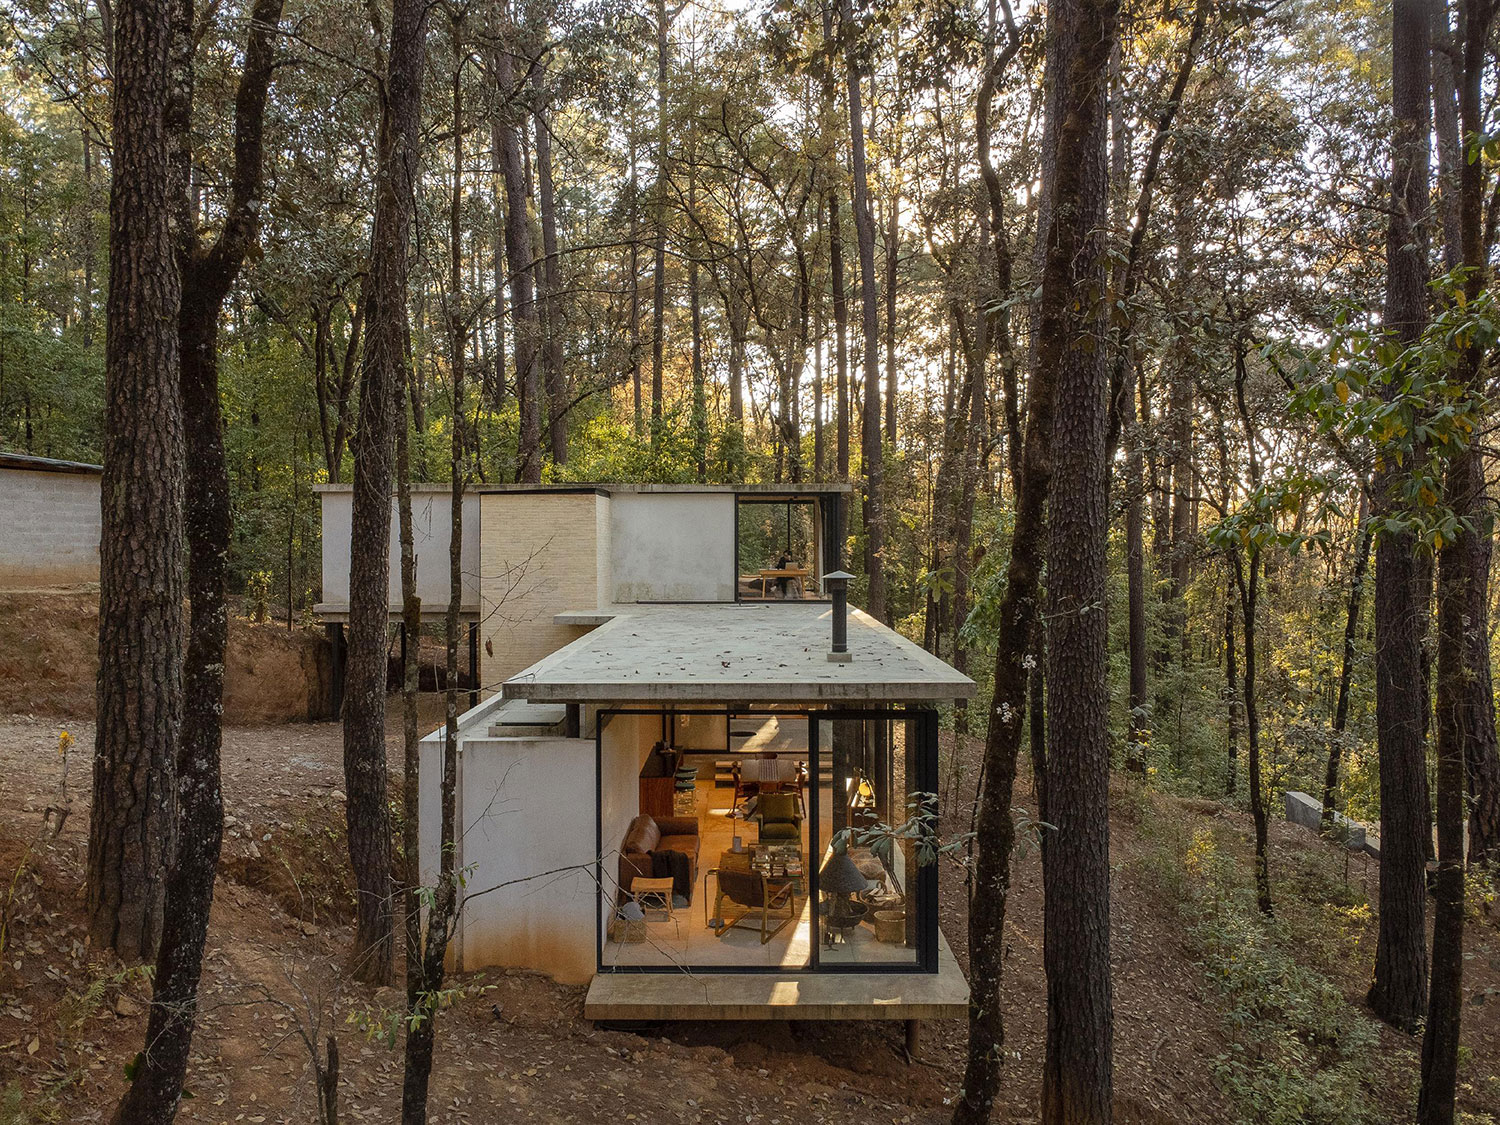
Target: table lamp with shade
839, 880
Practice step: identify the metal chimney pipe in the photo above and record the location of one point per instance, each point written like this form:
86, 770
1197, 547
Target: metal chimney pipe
837, 585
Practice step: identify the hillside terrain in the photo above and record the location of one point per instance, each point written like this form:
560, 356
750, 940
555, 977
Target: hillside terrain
1218, 1018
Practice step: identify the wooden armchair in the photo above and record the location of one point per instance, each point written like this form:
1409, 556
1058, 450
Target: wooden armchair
760, 899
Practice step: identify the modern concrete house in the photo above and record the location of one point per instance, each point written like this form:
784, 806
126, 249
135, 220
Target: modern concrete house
672, 787
50, 512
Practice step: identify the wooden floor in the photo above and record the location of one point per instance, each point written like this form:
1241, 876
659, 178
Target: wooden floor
782, 996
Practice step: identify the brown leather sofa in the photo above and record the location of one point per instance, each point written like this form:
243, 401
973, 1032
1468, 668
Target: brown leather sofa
647, 834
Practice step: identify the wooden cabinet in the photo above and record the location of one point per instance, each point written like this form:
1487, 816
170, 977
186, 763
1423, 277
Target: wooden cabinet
657, 782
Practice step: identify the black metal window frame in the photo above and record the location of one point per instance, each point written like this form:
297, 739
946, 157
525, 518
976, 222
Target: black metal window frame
827, 509
926, 961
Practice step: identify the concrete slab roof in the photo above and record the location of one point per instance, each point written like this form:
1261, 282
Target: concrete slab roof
736, 653
28, 463
768, 491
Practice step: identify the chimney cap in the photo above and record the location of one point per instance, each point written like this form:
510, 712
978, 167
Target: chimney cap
838, 576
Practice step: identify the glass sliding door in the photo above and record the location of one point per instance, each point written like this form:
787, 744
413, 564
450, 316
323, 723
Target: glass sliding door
806, 844
705, 849
876, 881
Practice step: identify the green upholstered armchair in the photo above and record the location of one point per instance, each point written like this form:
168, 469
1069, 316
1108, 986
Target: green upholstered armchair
780, 816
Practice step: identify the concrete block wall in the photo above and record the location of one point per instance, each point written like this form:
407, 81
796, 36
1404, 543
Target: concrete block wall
51, 525
541, 555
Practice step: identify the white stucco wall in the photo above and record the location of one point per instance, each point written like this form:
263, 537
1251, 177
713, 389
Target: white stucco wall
432, 523
525, 807
672, 547
623, 746
49, 528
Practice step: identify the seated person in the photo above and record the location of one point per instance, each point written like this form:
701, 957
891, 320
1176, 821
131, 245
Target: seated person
784, 562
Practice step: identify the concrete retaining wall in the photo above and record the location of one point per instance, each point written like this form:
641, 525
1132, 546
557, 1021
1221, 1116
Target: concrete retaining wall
1306, 810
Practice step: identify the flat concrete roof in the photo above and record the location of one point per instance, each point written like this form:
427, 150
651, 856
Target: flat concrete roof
736, 652
28, 463
767, 490
686, 995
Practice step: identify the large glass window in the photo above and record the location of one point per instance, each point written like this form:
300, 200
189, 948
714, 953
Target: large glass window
706, 848
875, 804
780, 549
768, 840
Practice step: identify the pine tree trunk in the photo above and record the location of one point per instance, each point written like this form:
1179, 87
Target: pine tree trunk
139, 701
864, 225
841, 336
1465, 705
1399, 991
384, 378
1135, 592
1077, 1074
1231, 695
552, 346
659, 226
208, 274
1084, 1092
1346, 672
525, 326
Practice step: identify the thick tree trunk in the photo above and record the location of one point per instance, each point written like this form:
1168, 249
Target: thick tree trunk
1399, 990
384, 379
208, 274
139, 702
1465, 705
1077, 1074
864, 225
1076, 1079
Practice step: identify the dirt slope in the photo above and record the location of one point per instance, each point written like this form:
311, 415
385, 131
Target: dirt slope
514, 1046
49, 658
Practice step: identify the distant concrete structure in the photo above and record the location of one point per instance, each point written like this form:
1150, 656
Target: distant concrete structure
49, 511
1306, 810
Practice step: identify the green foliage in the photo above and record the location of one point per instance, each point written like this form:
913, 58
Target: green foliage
1298, 1052
1410, 406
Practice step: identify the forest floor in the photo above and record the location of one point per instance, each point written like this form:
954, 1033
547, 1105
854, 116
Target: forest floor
1203, 991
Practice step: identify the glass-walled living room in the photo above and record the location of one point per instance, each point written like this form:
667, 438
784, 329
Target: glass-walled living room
770, 840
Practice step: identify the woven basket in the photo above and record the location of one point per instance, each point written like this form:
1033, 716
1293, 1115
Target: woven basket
890, 926
630, 932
